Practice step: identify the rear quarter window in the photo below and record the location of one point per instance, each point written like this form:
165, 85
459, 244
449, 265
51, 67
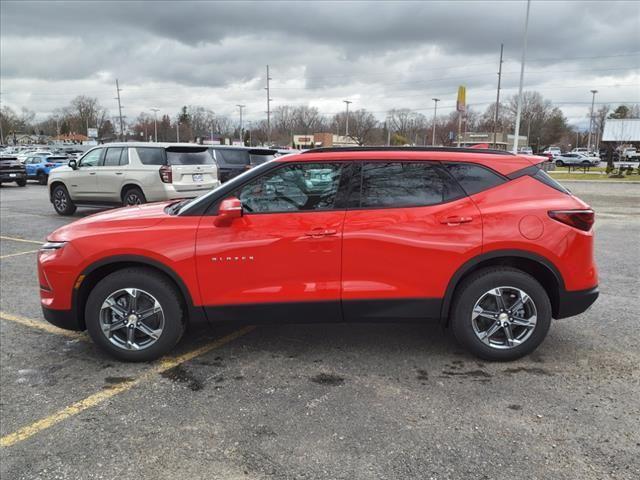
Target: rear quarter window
151, 156
474, 178
233, 157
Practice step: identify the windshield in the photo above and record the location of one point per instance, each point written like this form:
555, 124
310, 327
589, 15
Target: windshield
189, 156
227, 186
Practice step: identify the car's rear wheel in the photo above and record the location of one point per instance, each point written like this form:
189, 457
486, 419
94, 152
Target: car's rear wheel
42, 178
559, 163
135, 314
62, 202
133, 196
586, 163
501, 314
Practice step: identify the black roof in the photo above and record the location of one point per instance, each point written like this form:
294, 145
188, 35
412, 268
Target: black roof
408, 149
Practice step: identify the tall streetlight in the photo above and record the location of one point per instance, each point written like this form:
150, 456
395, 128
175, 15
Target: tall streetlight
435, 110
593, 101
240, 107
346, 130
178, 131
155, 123
522, 62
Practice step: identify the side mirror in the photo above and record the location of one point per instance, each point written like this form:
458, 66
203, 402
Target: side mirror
73, 164
229, 209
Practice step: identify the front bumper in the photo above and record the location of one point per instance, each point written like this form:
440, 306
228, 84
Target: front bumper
66, 319
571, 303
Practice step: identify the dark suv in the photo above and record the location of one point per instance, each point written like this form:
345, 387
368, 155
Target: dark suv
232, 161
11, 170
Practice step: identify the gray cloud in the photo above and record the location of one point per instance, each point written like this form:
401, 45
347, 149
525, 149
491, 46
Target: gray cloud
380, 54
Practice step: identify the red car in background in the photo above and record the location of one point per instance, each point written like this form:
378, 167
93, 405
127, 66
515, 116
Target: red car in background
483, 241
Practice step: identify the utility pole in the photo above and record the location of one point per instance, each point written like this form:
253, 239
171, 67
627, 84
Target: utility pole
524, 57
435, 110
155, 123
346, 134
178, 131
593, 101
240, 107
268, 109
388, 132
119, 110
495, 120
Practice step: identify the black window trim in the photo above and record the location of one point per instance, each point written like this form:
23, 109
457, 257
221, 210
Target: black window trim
444, 163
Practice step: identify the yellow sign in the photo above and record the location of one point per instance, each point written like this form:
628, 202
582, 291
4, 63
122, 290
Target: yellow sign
462, 96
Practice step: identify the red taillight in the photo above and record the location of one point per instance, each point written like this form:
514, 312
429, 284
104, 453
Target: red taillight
165, 174
580, 219
49, 164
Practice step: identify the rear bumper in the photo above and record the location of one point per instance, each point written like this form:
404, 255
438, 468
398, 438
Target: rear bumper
575, 302
66, 319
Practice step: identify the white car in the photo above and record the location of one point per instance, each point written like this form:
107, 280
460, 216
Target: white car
585, 151
526, 151
576, 159
131, 174
555, 151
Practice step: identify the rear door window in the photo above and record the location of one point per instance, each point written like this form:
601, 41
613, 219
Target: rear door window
474, 178
189, 156
404, 184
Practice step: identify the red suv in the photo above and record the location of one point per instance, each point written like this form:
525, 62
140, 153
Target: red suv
483, 241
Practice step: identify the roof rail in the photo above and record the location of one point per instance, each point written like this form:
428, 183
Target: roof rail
407, 149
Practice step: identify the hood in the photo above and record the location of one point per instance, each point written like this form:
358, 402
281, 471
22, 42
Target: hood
127, 218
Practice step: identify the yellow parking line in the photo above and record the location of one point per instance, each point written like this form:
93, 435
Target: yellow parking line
19, 240
16, 254
97, 398
44, 326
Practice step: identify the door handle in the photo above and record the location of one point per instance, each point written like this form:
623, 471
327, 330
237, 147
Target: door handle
118, 173
92, 173
456, 220
320, 232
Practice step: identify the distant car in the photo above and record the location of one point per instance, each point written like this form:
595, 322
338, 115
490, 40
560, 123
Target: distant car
630, 155
526, 151
131, 174
11, 170
554, 151
585, 151
38, 167
232, 161
576, 159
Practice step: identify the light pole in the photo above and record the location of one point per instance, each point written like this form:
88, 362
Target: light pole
435, 110
524, 56
593, 101
346, 129
240, 107
177, 132
155, 123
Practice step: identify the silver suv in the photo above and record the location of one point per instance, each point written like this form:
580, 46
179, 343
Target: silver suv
132, 173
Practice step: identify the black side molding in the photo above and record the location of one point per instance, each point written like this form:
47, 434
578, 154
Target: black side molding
66, 319
571, 303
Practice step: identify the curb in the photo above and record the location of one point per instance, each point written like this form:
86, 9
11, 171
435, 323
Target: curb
617, 182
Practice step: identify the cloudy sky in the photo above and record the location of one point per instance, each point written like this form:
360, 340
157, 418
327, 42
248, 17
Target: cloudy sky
379, 55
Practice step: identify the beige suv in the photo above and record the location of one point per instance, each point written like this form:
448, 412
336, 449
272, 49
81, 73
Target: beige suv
132, 173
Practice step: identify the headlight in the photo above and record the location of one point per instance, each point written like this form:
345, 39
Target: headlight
53, 246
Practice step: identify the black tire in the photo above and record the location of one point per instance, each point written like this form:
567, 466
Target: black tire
22, 182
42, 178
62, 202
148, 281
133, 196
471, 291
559, 163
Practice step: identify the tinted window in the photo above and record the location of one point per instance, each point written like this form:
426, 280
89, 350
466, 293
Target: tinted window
151, 156
402, 184
293, 188
542, 176
474, 178
188, 156
92, 158
112, 157
257, 159
235, 157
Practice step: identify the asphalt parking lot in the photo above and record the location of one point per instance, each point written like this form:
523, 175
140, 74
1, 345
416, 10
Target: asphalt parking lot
322, 401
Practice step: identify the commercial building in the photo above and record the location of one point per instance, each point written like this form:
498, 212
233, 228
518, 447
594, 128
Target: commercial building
621, 131
503, 141
323, 140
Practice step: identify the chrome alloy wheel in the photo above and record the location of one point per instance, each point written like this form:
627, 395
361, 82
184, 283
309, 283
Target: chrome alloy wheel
60, 200
131, 319
504, 317
132, 199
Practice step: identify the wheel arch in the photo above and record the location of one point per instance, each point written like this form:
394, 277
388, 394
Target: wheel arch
95, 272
129, 185
52, 187
535, 265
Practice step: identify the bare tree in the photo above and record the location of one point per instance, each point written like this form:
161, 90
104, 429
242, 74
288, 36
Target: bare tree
362, 125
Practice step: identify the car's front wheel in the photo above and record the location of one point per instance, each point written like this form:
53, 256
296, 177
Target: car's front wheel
501, 314
62, 202
135, 314
559, 163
